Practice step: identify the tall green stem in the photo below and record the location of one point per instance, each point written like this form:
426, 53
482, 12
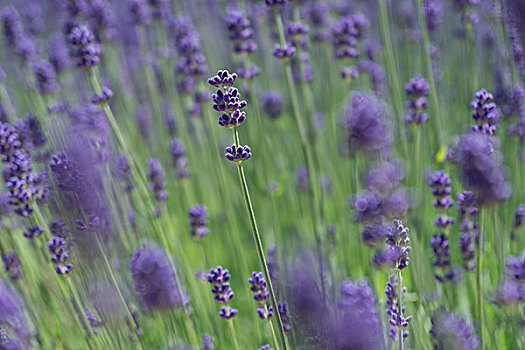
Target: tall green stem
259, 246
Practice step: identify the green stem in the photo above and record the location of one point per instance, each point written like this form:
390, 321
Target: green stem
259, 246
232, 334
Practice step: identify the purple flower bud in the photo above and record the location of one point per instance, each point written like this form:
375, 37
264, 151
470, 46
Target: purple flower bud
238, 154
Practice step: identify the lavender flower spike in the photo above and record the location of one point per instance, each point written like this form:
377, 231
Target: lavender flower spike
223, 79
199, 221
260, 295
218, 278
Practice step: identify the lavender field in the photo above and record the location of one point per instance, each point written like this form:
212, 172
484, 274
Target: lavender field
262, 174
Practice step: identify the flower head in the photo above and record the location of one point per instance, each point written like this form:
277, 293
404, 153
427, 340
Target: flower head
238, 154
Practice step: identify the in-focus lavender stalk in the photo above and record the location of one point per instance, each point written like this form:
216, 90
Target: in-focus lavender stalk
228, 101
397, 241
219, 278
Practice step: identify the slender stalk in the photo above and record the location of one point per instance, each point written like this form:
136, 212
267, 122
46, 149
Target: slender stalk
307, 156
259, 246
232, 334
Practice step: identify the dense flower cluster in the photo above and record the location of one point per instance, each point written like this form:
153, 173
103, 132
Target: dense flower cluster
219, 279
157, 177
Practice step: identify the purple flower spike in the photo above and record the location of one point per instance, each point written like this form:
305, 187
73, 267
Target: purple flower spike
218, 278
199, 221
451, 332
485, 113
83, 46
238, 154
223, 79
57, 246
258, 287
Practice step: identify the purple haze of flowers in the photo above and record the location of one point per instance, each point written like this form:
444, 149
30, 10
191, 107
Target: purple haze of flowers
482, 168
260, 295
207, 342
451, 332
57, 53
433, 14
199, 221
154, 279
219, 279
512, 290
12, 319
417, 90
398, 321
374, 233
360, 327
367, 123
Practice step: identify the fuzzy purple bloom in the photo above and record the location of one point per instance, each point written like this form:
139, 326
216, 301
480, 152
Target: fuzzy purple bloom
199, 221
45, 77
451, 332
482, 168
154, 279
284, 53
103, 97
367, 123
